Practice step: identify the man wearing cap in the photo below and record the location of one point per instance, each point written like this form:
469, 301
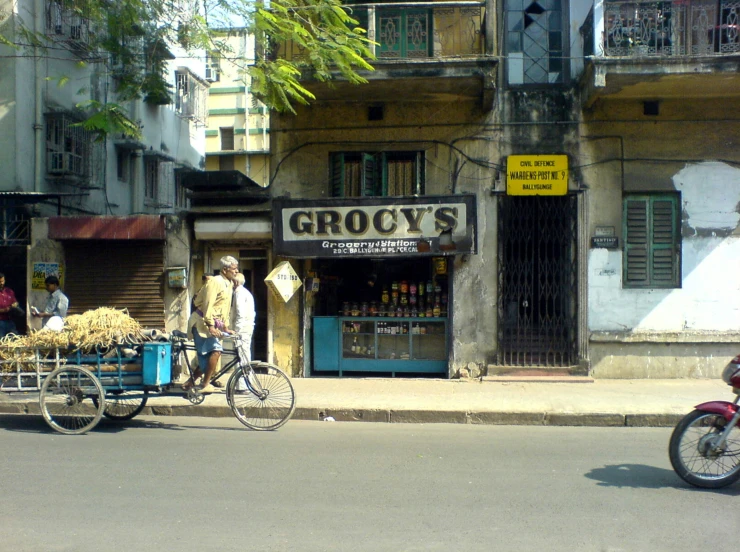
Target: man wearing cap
209, 319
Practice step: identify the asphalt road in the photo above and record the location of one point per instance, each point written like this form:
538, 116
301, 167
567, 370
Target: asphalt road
209, 485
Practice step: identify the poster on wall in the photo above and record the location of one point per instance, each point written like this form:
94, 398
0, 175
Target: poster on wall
43, 270
375, 226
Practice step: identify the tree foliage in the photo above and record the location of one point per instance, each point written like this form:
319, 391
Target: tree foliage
133, 39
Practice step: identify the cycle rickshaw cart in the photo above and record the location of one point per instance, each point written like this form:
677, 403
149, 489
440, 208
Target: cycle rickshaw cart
77, 389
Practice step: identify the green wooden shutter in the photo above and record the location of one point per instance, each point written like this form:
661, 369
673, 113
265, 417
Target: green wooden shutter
337, 175
651, 241
664, 239
369, 175
635, 272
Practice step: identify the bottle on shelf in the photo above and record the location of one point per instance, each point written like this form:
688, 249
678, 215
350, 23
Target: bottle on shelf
385, 296
403, 287
421, 288
355, 345
437, 310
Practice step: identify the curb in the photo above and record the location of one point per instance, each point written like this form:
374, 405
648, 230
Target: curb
401, 416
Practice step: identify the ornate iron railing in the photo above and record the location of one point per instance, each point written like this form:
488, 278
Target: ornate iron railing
419, 32
678, 28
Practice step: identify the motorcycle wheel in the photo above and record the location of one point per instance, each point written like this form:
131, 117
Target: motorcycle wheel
696, 460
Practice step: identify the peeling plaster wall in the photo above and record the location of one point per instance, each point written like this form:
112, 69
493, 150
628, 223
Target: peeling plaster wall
709, 299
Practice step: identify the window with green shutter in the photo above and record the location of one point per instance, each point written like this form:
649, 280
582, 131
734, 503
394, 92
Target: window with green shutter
652, 241
368, 174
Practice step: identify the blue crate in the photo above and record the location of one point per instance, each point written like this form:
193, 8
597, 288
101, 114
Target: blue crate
157, 363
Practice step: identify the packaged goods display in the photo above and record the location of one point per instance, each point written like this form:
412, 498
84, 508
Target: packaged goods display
402, 298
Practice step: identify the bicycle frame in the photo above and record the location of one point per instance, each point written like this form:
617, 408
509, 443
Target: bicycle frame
244, 365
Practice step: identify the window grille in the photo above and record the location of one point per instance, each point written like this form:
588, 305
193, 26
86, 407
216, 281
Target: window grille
213, 68
67, 26
534, 42
181, 199
68, 147
190, 97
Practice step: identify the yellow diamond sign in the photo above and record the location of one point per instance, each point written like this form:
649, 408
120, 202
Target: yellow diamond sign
537, 175
283, 281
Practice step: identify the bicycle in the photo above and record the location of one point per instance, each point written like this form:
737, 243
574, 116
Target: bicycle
267, 400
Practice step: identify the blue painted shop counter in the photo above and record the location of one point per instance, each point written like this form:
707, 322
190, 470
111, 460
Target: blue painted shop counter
378, 344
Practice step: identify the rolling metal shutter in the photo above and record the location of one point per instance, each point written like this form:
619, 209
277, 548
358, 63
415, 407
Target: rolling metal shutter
118, 274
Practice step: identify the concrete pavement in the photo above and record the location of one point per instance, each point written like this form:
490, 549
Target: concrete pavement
481, 401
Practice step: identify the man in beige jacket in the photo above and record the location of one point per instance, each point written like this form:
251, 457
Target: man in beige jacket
209, 320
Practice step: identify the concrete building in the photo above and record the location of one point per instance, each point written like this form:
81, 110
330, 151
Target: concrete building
598, 144
237, 136
105, 213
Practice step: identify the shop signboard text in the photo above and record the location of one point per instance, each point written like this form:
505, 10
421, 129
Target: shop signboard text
375, 227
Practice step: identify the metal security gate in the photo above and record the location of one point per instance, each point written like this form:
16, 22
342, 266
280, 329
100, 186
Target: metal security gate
538, 281
119, 274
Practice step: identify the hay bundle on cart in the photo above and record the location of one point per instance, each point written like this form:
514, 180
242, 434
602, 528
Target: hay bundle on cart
94, 331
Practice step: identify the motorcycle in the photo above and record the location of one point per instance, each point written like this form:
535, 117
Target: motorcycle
705, 446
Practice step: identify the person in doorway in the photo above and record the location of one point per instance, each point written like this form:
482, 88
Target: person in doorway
7, 302
209, 320
57, 303
244, 315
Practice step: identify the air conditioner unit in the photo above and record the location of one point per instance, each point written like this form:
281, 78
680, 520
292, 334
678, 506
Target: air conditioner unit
212, 74
64, 163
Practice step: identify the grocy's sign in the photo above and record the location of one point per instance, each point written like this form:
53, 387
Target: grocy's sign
375, 227
537, 175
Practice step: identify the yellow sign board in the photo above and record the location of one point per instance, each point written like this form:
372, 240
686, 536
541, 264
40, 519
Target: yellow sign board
283, 281
537, 175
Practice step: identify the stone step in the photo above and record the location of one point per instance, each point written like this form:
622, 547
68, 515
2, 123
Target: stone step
569, 374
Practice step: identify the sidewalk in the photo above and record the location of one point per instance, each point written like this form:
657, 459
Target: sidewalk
657, 403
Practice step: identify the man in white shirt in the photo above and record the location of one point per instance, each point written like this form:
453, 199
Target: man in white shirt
244, 316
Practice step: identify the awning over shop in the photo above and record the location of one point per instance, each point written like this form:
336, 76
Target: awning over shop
233, 229
141, 227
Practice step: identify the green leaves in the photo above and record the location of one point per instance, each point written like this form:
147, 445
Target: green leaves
106, 119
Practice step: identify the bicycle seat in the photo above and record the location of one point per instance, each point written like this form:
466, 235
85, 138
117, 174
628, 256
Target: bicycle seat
178, 334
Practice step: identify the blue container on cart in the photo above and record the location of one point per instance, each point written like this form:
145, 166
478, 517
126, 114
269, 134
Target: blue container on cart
157, 363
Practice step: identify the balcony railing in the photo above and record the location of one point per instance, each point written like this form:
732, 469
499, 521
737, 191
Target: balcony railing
421, 31
678, 28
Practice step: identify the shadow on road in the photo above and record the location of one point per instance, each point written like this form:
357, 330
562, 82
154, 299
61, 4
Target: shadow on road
639, 476
30, 423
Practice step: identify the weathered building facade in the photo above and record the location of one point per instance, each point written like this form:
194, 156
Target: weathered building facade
93, 211
621, 272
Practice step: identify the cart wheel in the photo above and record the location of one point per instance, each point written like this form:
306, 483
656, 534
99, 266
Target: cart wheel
123, 405
268, 402
62, 400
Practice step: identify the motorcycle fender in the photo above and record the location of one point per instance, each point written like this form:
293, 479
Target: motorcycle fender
725, 409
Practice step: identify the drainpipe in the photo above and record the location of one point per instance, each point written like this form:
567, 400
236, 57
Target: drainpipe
38, 125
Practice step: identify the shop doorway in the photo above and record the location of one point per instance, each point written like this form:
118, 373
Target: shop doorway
253, 264
538, 281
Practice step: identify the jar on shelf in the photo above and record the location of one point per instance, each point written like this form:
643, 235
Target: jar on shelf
421, 288
437, 289
385, 296
406, 312
355, 311
391, 311
404, 299
373, 309
394, 286
430, 311
414, 312
404, 287
363, 309
399, 312
437, 310
412, 299
413, 289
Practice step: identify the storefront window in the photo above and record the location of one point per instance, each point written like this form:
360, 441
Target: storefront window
368, 174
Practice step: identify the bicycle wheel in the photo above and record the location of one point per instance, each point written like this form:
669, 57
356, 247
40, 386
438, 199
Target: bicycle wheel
269, 400
62, 400
694, 455
123, 405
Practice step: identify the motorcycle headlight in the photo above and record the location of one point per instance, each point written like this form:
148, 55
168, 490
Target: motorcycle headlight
731, 371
